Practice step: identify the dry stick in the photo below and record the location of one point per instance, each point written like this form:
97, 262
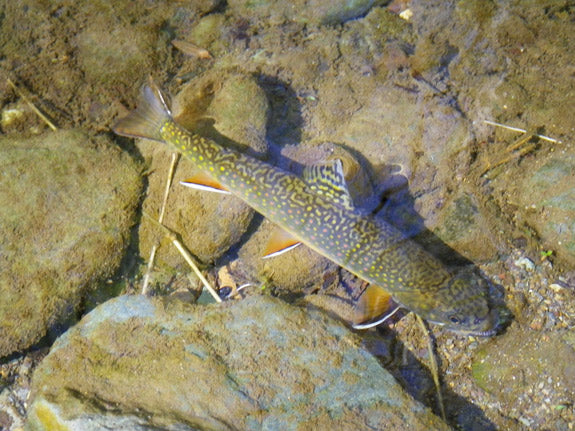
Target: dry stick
151, 260
434, 367
172, 236
32, 106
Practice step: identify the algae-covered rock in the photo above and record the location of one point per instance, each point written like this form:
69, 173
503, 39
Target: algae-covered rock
463, 226
68, 202
529, 371
232, 119
547, 196
114, 53
138, 363
303, 11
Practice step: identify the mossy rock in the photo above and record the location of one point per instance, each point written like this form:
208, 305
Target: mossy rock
68, 202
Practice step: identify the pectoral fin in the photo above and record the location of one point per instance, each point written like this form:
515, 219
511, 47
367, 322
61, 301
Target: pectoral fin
279, 243
374, 307
201, 181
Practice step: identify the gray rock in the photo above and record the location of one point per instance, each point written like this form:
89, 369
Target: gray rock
303, 11
530, 371
113, 53
546, 195
68, 203
139, 363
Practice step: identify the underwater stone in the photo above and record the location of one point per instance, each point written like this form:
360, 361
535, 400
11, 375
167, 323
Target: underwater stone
258, 363
316, 12
523, 361
549, 200
116, 53
68, 202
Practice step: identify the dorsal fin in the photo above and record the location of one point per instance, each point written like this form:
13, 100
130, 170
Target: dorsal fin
327, 179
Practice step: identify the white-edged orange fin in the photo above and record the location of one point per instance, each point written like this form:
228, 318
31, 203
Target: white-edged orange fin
201, 181
279, 243
374, 307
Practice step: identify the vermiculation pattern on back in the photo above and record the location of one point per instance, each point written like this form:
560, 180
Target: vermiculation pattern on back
373, 249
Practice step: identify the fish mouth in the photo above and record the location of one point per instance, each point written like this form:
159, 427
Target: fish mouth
493, 326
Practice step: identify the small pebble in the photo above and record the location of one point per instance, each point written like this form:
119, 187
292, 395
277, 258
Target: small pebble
525, 263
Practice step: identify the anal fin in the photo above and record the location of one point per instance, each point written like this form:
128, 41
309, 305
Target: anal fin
374, 307
279, 243
202, 181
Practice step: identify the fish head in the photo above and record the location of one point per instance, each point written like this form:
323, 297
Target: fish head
463, 305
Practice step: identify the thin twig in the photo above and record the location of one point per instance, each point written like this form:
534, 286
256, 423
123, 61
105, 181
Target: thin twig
149, 267
434, 367
175, 158
32, 106
187, 256
517, 129
151, 260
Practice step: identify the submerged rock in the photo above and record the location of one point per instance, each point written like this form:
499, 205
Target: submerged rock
139, 363
544, 190
315, 12
114, 53
530, 372
68, 203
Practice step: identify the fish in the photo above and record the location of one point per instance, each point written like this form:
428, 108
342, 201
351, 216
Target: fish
316, 209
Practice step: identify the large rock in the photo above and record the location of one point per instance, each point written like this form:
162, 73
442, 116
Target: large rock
136, 363
315, 12
68, 203
530, 372
543, 202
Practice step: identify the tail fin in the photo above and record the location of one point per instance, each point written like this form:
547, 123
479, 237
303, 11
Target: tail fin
149, 117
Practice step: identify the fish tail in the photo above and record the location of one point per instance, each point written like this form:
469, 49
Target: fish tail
147, 120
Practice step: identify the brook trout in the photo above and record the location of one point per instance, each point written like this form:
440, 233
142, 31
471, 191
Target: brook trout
316, 209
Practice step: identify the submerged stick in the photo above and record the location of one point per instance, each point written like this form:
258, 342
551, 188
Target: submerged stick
434, 367
152, 259
517, 129
515, 147
187, 257
39, 113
